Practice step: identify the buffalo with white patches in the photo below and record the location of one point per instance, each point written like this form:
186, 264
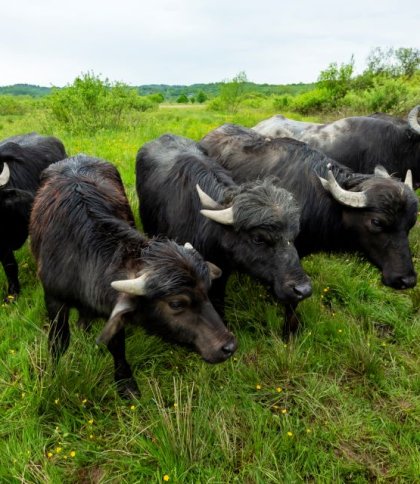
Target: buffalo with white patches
360, 142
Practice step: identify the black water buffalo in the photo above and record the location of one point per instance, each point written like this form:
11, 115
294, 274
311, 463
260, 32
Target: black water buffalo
22, 158
360, 142
91, 257
341, 210
250, 227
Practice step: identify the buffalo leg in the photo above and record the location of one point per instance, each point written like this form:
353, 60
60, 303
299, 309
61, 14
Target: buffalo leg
11, 270
59, 334
291, 321
126, 384
84, 321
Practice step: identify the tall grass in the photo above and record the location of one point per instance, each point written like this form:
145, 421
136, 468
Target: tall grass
338, 403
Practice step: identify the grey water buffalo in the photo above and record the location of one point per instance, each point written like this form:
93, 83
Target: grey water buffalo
341, 210
91, 257
22, 159
249, 227
360, 142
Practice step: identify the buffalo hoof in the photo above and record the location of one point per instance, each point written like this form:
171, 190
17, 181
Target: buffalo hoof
128, 389
84, 324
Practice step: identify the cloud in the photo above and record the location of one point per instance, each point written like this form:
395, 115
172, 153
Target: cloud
183, 42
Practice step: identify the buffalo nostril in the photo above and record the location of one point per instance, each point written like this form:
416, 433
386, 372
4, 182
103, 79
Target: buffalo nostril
229, 348
303, 290
408, 281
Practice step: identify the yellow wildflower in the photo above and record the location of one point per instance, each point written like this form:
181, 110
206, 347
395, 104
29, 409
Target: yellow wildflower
258, 387
133, 407
72, 453
56, 401
49, 455
90, 422
284, 410
279, 389
58, 450
166, 478
290, 434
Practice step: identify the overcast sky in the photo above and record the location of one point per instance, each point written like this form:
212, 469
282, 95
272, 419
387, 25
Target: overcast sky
50, 42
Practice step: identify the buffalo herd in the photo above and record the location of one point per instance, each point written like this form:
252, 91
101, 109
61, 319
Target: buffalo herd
250, 200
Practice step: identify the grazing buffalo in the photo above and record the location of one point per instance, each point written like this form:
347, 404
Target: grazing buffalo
360, 142
22, 159
341, 210
250, 227
91, 257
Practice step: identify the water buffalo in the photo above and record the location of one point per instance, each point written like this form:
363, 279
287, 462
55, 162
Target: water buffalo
250, 227
91, 257
360, 142
341, 209
22, 158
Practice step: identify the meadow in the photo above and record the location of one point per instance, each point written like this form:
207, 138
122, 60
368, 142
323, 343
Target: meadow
339, 402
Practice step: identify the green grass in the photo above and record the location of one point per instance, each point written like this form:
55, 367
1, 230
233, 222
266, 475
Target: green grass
338, 403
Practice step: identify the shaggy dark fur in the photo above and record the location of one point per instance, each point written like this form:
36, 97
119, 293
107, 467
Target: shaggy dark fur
379, 230
363, 142
265, 216
83, 238
26, 156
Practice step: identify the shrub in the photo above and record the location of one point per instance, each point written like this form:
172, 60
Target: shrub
201, 97
10, 105
387, 95
90, 104
313, 101
182, 99
282, 102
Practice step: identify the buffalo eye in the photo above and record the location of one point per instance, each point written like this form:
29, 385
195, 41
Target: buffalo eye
376, 223
258, 240
177, 305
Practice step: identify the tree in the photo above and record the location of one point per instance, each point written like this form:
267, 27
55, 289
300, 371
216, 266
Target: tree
201, 97
409, 60
182, 99
232, 92
336, 79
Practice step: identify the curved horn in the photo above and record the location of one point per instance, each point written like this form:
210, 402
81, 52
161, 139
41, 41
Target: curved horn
132, 286
224, 217
381, 171
351, 199
409, 179
206, 200
412, 119
4, 175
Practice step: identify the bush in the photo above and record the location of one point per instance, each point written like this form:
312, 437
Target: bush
388, 95
90, 104
182, 99
10, 105
285, 101
313, 101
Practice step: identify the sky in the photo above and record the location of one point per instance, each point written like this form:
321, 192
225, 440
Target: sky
51, 42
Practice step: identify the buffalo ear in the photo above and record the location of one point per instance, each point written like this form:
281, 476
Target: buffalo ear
125, 304
215, 272
12, 151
